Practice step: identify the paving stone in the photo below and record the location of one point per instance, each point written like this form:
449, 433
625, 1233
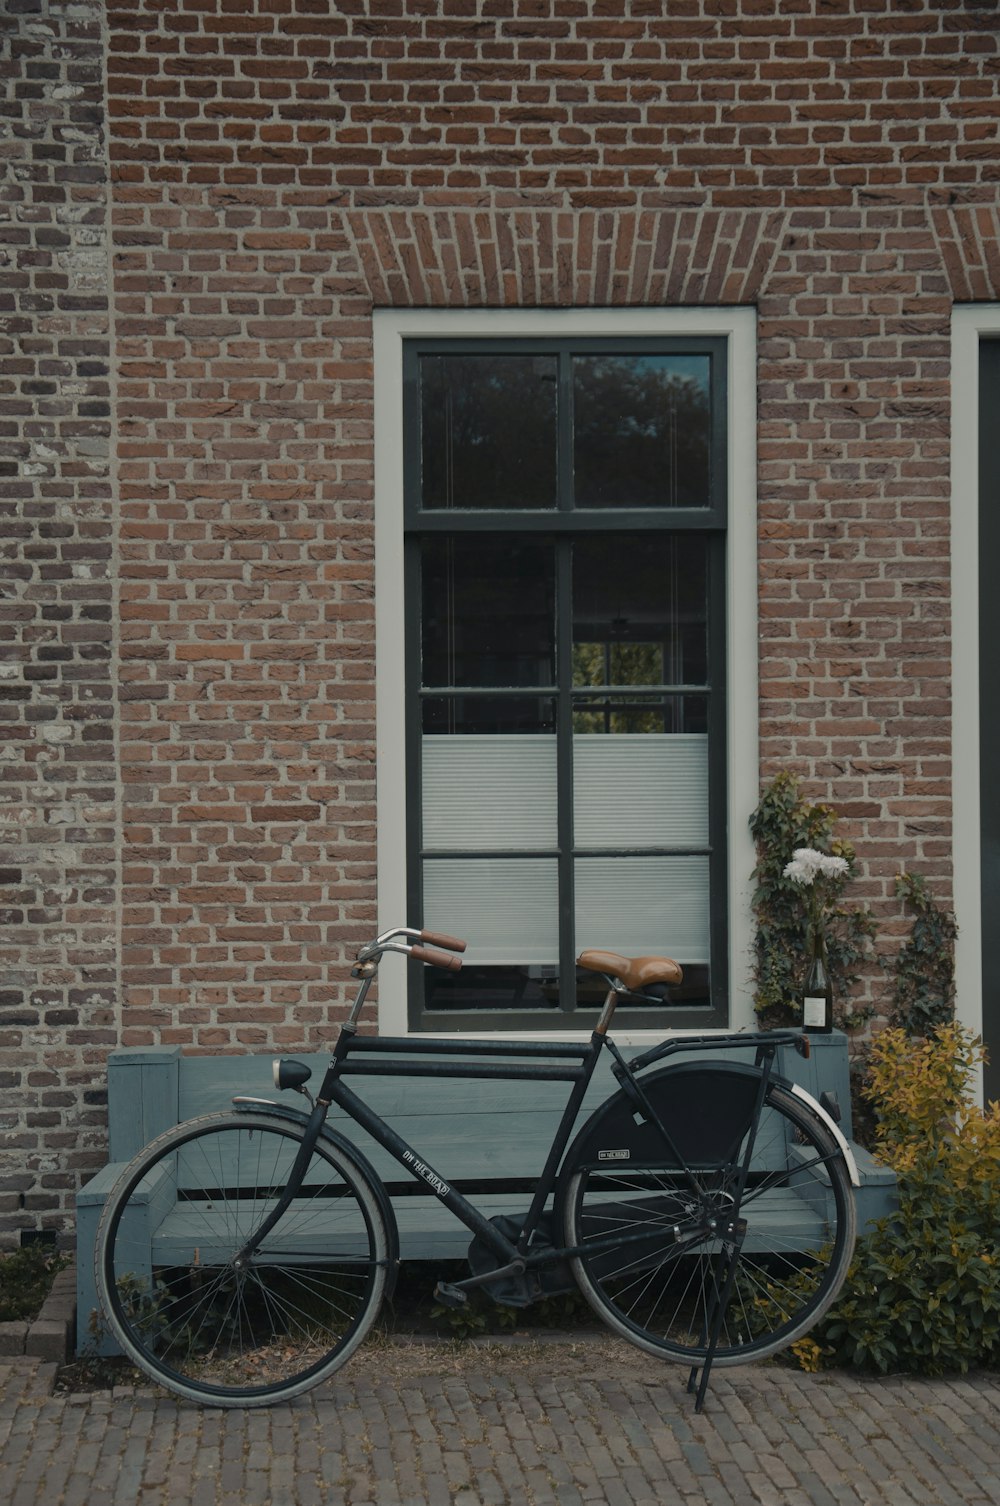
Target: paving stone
12, 1338
538, 1437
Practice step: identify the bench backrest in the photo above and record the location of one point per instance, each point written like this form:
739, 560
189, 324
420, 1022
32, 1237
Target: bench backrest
471, 1130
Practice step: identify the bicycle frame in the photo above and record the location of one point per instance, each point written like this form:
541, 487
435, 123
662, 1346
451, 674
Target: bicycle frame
507, 1059
701, 1211
580, 1058
508, 1063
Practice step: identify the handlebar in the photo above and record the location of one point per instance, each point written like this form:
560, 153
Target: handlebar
438, 938
434, 948
431, 947
434, 958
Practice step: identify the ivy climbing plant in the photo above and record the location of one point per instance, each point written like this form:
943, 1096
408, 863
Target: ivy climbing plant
923, 995
783, 821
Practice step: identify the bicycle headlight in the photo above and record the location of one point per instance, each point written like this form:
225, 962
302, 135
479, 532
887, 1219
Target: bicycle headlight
290, 1074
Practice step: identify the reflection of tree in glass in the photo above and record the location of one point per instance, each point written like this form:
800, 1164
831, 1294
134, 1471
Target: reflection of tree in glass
641, 433
618, 664
619, 719
488, 431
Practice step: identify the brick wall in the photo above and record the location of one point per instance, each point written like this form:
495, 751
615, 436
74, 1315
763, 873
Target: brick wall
854, 489
58, 780
276, 169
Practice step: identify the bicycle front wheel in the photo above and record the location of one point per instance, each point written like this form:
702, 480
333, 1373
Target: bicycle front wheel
206, 1320
658, 1279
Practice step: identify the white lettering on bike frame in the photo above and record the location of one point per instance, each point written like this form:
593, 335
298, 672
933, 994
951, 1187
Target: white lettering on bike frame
423, 1171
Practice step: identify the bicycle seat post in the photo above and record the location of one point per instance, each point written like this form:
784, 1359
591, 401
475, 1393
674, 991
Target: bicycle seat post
608, 1012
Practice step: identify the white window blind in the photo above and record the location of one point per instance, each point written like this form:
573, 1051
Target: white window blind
640, 790
494, 793
506, 908
644, 906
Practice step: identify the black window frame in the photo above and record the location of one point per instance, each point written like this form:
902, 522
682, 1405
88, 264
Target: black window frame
564, 522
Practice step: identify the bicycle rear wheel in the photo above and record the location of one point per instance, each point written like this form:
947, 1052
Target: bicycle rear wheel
201, 1318
644, 1265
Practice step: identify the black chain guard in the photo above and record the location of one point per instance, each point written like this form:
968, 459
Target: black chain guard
531, 1286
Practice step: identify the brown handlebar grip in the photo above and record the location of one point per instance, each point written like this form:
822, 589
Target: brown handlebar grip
434, 958
437, 938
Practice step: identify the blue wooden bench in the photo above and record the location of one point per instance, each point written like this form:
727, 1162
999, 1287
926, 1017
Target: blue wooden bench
485, 1134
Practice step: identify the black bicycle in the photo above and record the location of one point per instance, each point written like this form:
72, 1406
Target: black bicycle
705, 1210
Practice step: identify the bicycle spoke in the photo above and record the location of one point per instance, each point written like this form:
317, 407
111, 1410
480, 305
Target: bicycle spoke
654, 1265
205, 1318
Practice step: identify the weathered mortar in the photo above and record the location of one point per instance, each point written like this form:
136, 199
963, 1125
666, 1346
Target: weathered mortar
275, 171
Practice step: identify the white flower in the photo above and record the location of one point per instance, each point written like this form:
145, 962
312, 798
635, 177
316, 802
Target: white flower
808, 865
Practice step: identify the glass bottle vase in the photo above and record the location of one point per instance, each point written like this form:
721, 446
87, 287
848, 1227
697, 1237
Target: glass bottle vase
817, 995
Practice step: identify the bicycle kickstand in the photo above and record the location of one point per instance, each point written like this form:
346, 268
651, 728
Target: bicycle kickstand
704, 1371
714, 1324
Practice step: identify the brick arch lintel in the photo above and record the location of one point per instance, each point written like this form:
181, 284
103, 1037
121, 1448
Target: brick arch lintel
482, 257
968, 239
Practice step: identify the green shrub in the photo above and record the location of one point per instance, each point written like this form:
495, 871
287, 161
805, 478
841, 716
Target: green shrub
25, 1278
923, 1291
782, 822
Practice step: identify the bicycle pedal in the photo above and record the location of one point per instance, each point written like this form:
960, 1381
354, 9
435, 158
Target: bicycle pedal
450, 1296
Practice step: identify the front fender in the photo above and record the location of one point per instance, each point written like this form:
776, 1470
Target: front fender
348, 1149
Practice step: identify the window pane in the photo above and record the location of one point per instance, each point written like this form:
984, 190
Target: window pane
488, 611
640, 610
488, 714
641, 427
640, 791
489, 793
492, 988
506, 908
488, 431
640, 713
644, 906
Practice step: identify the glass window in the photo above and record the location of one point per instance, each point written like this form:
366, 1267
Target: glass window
566, 694
641, 428
471, 632
487, 427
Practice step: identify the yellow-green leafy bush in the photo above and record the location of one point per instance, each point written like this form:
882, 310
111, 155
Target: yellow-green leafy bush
923, 1291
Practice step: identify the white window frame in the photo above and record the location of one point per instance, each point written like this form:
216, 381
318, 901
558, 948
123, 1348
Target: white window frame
969, 325
739, 326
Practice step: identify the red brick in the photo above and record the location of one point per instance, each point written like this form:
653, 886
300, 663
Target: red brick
837, 168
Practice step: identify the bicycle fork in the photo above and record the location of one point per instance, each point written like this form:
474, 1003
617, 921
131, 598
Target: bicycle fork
303, 1155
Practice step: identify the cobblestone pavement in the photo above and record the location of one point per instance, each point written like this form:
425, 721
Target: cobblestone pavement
558, 1423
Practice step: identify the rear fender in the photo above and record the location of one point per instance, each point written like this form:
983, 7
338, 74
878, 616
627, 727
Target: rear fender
832, 1126
350, 1151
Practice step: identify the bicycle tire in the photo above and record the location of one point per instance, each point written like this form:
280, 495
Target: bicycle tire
658, 1291
252, 1334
